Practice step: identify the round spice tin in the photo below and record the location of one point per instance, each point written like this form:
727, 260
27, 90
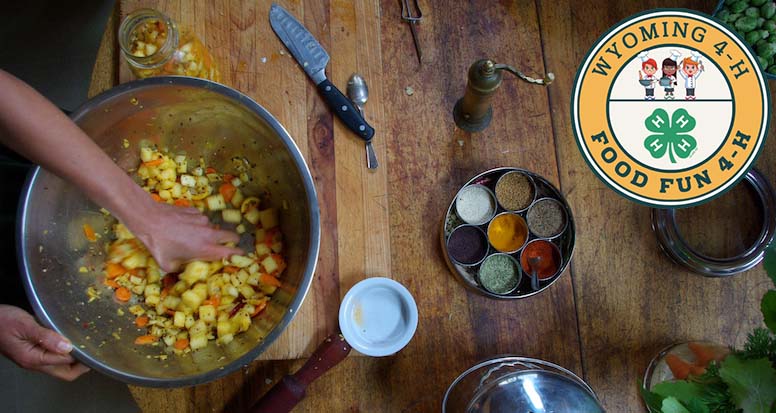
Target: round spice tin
560, 234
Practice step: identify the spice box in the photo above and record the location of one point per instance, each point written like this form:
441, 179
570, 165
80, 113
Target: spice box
503, 225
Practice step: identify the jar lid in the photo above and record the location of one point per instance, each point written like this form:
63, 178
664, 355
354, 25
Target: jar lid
535, 391
378, 317
519, 384
674, 245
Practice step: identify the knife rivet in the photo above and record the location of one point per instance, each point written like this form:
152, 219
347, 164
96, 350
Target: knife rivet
328, 88
344, 108
362, 128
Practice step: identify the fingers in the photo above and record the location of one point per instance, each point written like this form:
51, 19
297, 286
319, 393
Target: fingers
67, 372
220, 251
51, 341
225, 236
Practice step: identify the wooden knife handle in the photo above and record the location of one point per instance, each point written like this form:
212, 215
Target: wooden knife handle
290, 390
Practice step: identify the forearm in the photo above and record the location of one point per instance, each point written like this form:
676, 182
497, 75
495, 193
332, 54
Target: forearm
36, 129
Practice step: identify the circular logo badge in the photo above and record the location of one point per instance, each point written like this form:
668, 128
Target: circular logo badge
670, 108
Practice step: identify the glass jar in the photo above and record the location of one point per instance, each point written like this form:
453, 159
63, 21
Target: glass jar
154, 45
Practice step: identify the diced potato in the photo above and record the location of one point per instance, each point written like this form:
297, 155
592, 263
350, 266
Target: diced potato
195, 271
262, 250
198, 342
152, 289
171, 301
146, 154
231, 291
136, 310
270, 265
200, 290
189, 321
231, 216
198, 171
225, 327
249, 203
191, 299
152, 300
215, 202
242, 275
242, 320
179, 319
176, 191
253, 279
252, 216
277, 247
226, 338
207, 313
198, 328
143, 172
168, 175
240, 229
246, 291
203, 181
179, 288
135, 260
188, 180
122, 232
268, 289
165, 194
268, 218
169, 339
254, 268
240, 261
138, 289
237, 198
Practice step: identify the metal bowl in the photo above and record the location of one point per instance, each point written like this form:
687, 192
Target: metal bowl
201, 118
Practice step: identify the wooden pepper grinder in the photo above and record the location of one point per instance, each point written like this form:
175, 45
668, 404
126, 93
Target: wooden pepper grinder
473, 111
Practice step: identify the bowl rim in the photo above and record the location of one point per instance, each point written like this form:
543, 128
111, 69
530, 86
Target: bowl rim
313, 246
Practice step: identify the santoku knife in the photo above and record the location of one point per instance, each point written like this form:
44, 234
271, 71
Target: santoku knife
313, 59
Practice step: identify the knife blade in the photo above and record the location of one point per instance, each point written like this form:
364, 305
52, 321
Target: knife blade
313, 59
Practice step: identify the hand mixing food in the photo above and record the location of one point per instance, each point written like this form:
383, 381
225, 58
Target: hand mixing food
208, 300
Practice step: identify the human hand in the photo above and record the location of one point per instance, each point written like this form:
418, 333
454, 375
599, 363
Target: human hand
34, 347
175, 235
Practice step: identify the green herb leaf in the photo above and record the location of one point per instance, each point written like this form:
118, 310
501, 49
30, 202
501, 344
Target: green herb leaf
770, 262
768, 308
682, 390
672, 405
653, 401
752, 383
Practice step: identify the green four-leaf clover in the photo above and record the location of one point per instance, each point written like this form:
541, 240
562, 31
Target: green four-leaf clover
671, 134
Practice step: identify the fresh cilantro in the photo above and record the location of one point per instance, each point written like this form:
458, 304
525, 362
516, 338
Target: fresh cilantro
682, 390
672, 405
768, 307
752, 383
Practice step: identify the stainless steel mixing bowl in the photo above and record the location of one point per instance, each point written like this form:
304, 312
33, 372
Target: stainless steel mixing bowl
200, 118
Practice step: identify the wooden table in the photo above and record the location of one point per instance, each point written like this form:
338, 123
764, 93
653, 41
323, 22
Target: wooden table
619, 303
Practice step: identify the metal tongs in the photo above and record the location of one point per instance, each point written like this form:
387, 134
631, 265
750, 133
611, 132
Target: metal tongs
413, 15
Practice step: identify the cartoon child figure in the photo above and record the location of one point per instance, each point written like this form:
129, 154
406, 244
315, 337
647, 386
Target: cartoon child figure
647, 76
691, 69
668, 80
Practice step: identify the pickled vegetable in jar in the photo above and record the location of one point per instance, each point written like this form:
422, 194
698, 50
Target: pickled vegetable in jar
154, 45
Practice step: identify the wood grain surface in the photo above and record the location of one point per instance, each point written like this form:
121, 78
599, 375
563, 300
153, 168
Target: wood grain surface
621, 301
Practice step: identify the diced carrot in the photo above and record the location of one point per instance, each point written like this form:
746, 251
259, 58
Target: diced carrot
155, 162
170, 312
228, 178
680, 368
269, 280
230, 269
112, 284
181, 344
89, 233
141, 321
137, 272
214, 300
210, 170
259, 308
697, 370
114, 270
227, 190
281, 264
269, 238
123, 294
146, 339
182, 202
705, 354
156, 197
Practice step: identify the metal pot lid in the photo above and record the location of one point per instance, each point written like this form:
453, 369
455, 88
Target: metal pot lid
534, 391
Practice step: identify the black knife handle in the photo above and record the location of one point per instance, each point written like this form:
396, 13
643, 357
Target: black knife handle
345, 110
